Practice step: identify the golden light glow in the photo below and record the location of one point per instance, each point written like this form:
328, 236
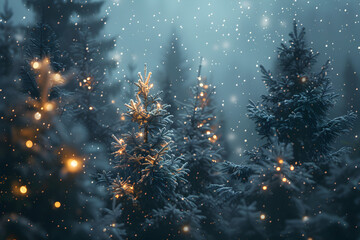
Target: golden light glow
122, 118
284, 179
23, 189
49, 106
91, 108
29, 144
281, 161
37, 116
303, 79
262, 216
57, 78
264, 188
208, 132
278, 169
57, 204
186, 228
73, 165
201, 94
292, 168
36, 65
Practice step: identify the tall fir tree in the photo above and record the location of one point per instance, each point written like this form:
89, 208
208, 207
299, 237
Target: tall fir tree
46, 192
298, 104
146, 174
350, 102
174, 75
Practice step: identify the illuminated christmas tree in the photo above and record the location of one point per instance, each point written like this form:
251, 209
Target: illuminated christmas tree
146, 174
46, 193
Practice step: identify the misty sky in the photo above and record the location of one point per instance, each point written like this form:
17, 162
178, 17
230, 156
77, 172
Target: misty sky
234, 37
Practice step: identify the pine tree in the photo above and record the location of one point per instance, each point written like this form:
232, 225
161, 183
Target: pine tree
197, 139
45, 195
173, 76
146, 174
8, 44
350, 102
298, 103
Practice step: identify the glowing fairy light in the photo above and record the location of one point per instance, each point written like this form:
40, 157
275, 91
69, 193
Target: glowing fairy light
262, 216
91, 108
305, 218
73, 165
56, 77
23, 189
29, 144
278, 169
264, 188
122, 118
281, 161
292, 168
208, 132
284, 179
57, 204
186, 228
36, 65
49, 106
37, 116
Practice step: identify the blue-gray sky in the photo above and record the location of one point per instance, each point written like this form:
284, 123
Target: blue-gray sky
234, 37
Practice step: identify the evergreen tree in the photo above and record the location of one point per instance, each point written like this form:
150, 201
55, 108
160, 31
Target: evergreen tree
174, 75
146, 174
298, 103
351, 102
9, 46
45, 195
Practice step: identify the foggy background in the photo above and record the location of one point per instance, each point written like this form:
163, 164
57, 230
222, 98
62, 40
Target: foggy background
234, 37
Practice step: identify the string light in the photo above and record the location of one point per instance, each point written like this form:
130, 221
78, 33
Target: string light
284, 179
23, 189
262, 216
292, 168
264, 188
278, 169
281, 161
186, 228
36, 65
29, 144
37, 116
57, 204
49, 106
73, 165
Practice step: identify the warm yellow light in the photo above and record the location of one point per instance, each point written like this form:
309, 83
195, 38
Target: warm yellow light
186, 228
151, 86
281, 161
264, 188
29, 144
262, 216
91, 108
57, 204
208, 132
303, 79
158, 105
278, 169
49, 106
23, 189
284, 179
292, 168
36, 65
57, 78
37, 116
214, 137
73, 165
122, 118
201, 94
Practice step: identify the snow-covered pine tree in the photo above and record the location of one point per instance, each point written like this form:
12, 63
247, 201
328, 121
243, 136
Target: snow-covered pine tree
278, 188
45, 192
334, 205
196, 139
146, 174
298, 104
